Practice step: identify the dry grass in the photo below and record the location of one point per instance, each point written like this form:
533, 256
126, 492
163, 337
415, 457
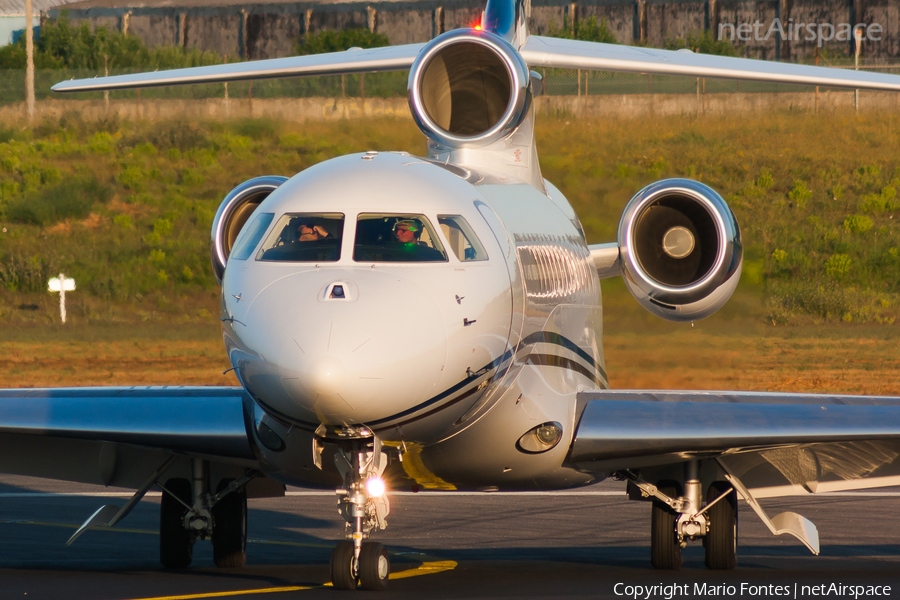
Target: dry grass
64, 364
723, 352
736, 349
784, 361
145, 354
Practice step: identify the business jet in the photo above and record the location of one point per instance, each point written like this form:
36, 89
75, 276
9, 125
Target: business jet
403, 322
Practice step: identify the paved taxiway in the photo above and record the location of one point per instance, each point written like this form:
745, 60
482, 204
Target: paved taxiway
446, 546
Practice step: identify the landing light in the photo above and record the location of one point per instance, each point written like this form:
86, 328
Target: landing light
541, 438
375, 486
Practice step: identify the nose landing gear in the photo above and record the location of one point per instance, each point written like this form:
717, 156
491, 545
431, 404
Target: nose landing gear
362, 503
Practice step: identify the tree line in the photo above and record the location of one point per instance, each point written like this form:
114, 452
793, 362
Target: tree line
62, 45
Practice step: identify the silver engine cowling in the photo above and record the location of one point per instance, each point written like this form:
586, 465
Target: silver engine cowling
680, 249
233, 214
469, 89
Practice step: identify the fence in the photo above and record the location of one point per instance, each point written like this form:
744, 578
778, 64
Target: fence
557, 82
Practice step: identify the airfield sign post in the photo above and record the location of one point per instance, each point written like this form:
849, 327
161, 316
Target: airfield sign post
62, 285
858, 36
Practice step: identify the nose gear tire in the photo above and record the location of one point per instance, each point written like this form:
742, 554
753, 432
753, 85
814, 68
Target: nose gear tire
665, 550
343, 576
721, 540
374, 566
175, 542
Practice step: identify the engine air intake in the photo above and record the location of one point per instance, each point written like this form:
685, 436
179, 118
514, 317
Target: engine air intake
468, 89
676, 240
680, 249
233, 213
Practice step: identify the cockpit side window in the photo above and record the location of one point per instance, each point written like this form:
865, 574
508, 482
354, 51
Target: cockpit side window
396, 238
463, 241
249, 238
305, 237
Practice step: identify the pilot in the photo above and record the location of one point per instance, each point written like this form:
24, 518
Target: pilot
307, 231
409, 247
408, 232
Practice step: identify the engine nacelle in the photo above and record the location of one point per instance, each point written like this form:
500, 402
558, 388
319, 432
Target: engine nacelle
233, 214
680, 249
468, 89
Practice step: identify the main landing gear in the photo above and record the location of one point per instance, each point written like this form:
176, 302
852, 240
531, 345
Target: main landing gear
362, 503
189, 512
678, 516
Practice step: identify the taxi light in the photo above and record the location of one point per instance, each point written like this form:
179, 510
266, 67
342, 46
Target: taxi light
375, 486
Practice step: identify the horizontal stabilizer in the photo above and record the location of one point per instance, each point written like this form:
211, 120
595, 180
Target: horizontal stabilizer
542, 51
389, 58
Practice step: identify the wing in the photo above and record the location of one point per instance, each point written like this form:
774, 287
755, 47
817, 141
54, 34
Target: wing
776, 444
542, 51
120, 436
390, 58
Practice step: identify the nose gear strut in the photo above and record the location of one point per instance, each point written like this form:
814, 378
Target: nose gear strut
356, 562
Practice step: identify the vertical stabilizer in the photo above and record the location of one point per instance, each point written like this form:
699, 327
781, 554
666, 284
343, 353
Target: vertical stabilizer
508, 19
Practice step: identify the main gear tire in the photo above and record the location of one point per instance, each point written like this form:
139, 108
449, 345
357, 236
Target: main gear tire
722, 535
665, 549
176, 543
229, 530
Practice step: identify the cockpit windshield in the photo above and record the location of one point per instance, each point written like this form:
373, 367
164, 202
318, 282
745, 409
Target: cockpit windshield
305, 237
396, 238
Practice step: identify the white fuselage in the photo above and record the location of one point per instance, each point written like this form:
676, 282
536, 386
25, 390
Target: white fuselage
455, 357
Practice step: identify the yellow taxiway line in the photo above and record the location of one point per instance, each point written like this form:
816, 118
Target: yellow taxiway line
426, 568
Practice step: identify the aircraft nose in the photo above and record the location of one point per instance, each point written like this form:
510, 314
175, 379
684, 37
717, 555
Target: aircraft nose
347, 347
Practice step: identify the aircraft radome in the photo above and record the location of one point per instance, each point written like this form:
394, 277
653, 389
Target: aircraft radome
498, 382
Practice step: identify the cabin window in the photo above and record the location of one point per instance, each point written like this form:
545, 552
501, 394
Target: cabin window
305, 237
396, 238
463, 241
249, 238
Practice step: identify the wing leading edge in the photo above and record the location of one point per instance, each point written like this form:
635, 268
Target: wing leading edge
185, 420
619, 424
538, 51
778, 444
542, 51
390, 58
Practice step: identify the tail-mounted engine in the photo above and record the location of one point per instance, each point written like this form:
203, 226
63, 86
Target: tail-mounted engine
468, 89
233, 214
680, 249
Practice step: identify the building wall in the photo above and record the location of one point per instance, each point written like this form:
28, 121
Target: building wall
271, 30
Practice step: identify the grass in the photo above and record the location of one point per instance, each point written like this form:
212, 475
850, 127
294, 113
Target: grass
736, 350
58, 356
816, 197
